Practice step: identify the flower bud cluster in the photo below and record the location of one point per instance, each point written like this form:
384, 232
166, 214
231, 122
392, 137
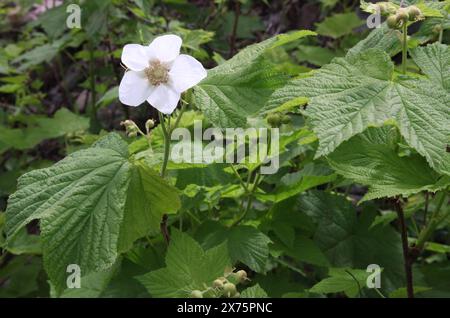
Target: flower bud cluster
223, 286
397, 17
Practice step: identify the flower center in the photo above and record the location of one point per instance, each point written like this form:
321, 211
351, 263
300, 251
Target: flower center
157, 73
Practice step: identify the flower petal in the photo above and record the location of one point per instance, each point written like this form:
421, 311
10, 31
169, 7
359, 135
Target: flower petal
186, 72
164, 98
136, 57
165, 48
134, 88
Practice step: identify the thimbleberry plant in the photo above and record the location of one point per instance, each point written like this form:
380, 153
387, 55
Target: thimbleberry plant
109, 173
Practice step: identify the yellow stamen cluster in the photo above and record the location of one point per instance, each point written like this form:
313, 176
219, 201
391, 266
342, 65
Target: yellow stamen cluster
157, 73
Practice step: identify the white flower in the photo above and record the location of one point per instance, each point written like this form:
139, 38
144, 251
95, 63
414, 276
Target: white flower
158, 73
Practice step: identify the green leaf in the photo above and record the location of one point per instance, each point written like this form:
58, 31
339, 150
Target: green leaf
92, 285
188, 267
436, 276
20, 277
306, 250
315, 54
351, 94
10, 88
250, 246
148, 198
339, 25
40, 54
239, 88
434, 61
24, 243
402, 293
382, 38
369, 159
254, 292
110, 96
292, 184
349, 281
53, 21
81, 202
350, 240
40, 128
246, 244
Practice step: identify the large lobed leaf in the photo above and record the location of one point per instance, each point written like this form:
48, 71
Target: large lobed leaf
351, 94
371, 159
241, 87
82, 203
350, 240
434, 61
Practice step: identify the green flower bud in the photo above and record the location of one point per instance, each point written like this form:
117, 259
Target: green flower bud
229, 290
414, 13
437, 28
218, 283
402, 15
393, 22
149, 124
131, 128
196, 294
222, 279
242, 276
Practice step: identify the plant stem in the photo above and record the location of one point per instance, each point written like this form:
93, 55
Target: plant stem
427, 202
166, 144
357, 282
441, 35
164, 230
92, 78
167, 131
244, 186
432, 224
404, 47
177, 121
405, 246
291, 267
250, 196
